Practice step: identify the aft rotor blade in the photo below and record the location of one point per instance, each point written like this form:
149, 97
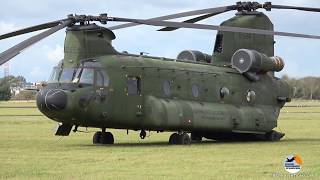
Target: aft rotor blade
31, 29
296, 8
17, 49
193, 20
180, 15
213, 27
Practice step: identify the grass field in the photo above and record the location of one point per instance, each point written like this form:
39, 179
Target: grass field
29, 150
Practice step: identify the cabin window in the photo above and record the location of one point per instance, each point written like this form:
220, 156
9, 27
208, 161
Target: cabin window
167, 88
195, 90
224, 92
102, 78
218, 48
133, 86
251, 95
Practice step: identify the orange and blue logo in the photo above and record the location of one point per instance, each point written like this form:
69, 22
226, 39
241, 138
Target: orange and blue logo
293, 164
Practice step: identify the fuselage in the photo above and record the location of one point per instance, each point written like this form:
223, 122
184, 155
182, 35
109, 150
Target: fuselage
95, 86
147, 93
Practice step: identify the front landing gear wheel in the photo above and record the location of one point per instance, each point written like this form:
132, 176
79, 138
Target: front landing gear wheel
103, 138
180, 139
96, 137
106, 138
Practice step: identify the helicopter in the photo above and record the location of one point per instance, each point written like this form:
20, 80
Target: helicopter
232, 94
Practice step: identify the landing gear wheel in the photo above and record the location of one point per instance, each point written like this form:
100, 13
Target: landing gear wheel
196, 138
185, 139
180, 139
274, 136
143, 134
96, 137
106, 138
174, 138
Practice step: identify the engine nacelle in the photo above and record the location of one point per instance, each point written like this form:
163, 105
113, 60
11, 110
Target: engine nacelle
246, 60
191, 55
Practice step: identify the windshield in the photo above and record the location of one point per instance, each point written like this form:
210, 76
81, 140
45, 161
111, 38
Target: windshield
91, 74
62, 75
54, 77
67, 75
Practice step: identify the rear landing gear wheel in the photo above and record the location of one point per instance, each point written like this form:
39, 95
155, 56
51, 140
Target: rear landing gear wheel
180, 139
106, 138
185, 139
273, 136
174, 138
96, 137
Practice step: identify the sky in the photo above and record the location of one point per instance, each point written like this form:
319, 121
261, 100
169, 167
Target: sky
35, 63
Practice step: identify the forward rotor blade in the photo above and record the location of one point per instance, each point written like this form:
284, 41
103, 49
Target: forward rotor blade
193, 20
31, 29
180, 15
17, 49
296, 8
213, 27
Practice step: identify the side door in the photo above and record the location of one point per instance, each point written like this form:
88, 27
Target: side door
101, 83
133, 105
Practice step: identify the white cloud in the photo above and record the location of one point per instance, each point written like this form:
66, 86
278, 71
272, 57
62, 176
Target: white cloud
55, 54
36, 72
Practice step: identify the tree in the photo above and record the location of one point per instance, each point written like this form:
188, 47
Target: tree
25, 95
5, 92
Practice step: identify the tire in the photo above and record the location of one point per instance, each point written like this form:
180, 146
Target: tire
96, 137
174, 138
274, 136
107, 138
185, 139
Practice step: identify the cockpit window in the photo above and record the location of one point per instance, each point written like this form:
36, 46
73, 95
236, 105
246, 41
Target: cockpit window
102, 78
90, 73
67, 75
87, 76
54, 77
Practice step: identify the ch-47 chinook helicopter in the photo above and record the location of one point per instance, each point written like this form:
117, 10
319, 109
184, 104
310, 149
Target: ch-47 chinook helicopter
231, 95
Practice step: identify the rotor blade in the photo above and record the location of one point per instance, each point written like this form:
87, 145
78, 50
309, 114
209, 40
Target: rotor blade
180, 15
296, 8
213, 27
31, 29
193, 20
17, 49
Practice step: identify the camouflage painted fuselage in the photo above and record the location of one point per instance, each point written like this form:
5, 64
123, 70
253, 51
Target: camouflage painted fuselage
153, 109
170, 95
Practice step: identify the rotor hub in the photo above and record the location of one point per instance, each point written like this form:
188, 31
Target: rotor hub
252, 6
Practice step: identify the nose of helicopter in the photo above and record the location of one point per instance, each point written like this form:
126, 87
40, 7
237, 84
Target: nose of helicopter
51, 100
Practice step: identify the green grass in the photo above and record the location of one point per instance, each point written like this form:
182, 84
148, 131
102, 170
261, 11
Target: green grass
29, 150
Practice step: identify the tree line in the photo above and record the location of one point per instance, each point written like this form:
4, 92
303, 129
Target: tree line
7, 84
304, 88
